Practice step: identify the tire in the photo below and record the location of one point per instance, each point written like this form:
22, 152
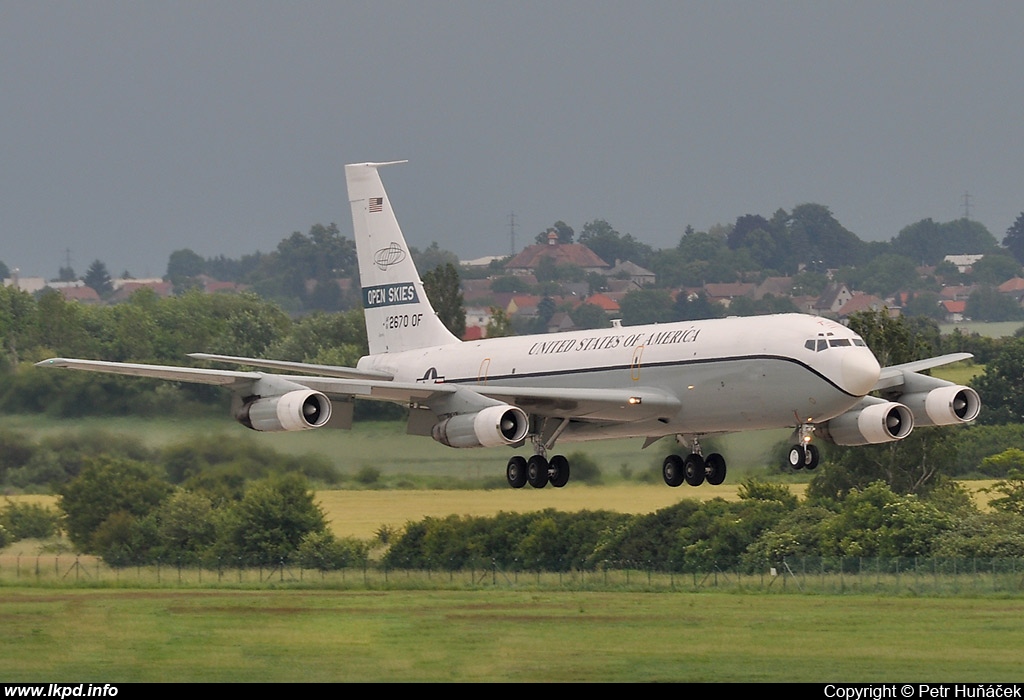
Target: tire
537, 472
672, 470
559, 471
515, 472
715, 469
797, 456
811, 457
694, 469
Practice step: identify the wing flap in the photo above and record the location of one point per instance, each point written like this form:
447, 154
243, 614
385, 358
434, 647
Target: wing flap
323, 370
614, 405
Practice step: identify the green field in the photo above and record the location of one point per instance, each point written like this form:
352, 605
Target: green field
991, 329
103, 636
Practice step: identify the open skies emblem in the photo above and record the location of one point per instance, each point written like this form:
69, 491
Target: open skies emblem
386, 257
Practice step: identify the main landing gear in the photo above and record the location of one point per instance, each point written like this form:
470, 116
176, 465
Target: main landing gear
538, 471
694, 469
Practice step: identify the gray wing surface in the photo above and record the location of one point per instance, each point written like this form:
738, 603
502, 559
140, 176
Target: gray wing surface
607, 405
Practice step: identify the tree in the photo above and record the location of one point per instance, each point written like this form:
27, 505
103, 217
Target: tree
1012, 490
647, 306
928, 242
562, 230
893, 340
98, 278
611, 246
183, 265
1014, 239
987, 304
270, 522
499, 325
994, 269
108, 488
445, 295
589, 316
1002, 385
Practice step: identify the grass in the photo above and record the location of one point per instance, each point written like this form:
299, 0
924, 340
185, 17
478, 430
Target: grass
525, 635
518, 632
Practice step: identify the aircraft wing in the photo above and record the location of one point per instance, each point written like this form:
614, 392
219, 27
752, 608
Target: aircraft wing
168, 372
615, 405
325, 370
896, 375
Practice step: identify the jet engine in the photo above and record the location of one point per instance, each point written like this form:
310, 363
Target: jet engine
947, 405
874, 421
297, 410
491, 427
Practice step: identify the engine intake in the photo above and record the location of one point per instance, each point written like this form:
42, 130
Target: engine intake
948, 405
491, 427
885, 421
296, 410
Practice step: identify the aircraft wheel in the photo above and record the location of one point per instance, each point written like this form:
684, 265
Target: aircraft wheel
715, 469
811, 457
672, 470
559, 471
515, 472
693, 469
537, 472
797, 455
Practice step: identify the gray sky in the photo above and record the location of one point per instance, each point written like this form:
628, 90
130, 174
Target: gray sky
129, 130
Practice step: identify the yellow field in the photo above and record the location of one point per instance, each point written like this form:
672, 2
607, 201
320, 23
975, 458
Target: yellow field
361, 514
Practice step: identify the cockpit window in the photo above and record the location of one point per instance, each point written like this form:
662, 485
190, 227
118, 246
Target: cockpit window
825, 341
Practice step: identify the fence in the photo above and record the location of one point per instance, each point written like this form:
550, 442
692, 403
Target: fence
877, 575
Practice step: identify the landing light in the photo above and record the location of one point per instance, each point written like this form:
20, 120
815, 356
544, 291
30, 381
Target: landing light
635, 401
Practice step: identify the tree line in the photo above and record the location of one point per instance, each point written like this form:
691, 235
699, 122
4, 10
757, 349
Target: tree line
765, 527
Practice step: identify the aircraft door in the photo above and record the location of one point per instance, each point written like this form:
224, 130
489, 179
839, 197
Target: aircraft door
485, 366
634, 367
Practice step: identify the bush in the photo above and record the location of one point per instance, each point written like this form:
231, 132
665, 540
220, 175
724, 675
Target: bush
29, 521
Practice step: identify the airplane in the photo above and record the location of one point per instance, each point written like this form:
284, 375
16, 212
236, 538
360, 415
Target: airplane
686, 379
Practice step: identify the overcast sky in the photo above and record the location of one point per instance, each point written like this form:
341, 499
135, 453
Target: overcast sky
129, 130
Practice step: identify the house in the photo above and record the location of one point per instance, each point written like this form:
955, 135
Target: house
576, 254
124, 291
835, 297
774, 286
954, 310
605, 302
1013, 287
863, 302
83, 294
724, 292
963, 262
640, 276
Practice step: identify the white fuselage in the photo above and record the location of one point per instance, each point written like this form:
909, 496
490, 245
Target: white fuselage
729, 374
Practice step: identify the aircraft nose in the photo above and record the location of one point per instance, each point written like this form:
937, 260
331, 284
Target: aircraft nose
860, 372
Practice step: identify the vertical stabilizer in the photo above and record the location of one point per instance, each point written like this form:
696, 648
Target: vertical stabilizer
398, 314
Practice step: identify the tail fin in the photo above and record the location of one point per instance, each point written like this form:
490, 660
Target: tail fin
398, 314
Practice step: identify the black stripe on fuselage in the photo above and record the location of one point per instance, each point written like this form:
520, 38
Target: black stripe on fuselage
648, 365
